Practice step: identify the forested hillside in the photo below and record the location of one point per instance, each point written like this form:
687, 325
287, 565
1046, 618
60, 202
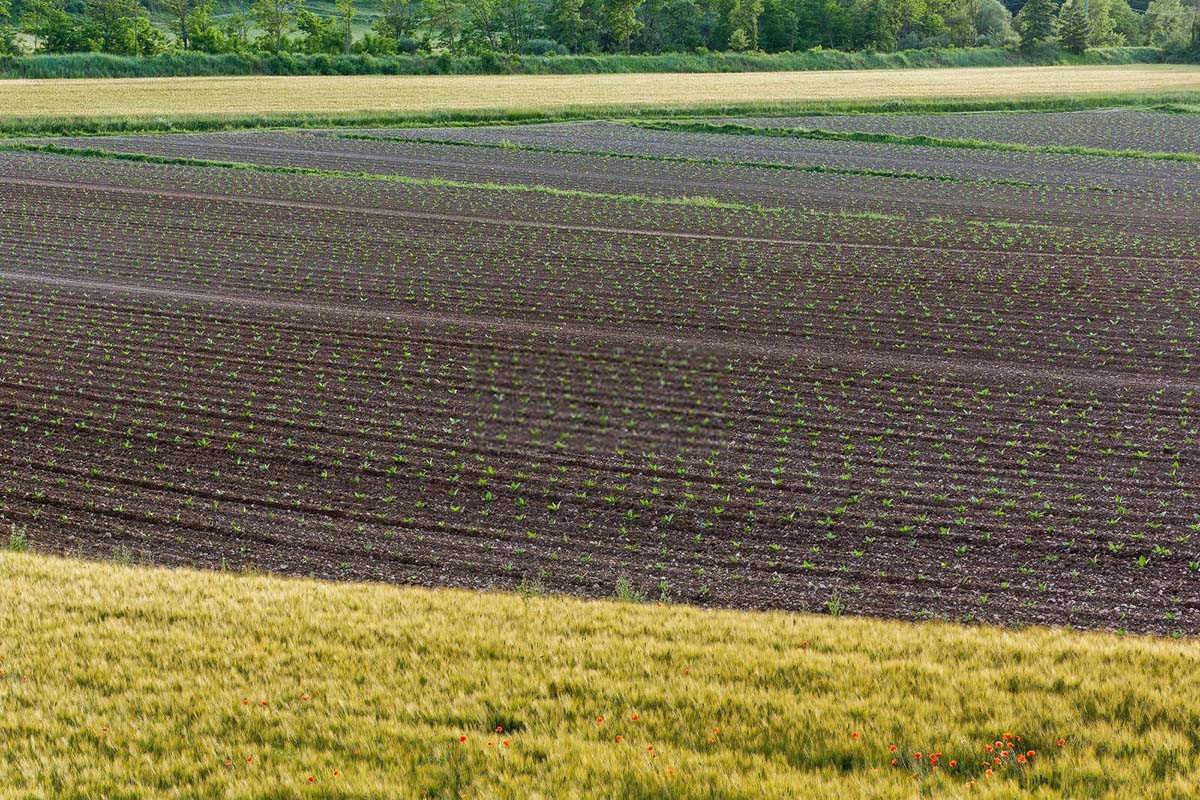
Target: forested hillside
388, 27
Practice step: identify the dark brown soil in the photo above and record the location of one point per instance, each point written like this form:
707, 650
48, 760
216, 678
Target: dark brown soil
479, 388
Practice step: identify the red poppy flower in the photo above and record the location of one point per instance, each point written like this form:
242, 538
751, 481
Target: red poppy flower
311, 779
499, 729
953, 763
599, 720
1061, 742
1021, 759
506, 742
462, 738
894, 762
892, 749
635, 717
1031, 753
854, 735
619, 738
987, 771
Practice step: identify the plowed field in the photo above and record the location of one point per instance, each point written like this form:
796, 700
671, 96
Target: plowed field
925, 393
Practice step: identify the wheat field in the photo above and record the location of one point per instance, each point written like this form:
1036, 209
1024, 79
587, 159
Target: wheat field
343, 94
120, 680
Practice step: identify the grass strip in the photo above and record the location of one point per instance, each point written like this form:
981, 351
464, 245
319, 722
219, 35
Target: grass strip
118, 681
147, 158
876, 137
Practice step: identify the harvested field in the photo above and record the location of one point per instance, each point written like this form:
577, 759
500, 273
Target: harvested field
325, 94
894, 398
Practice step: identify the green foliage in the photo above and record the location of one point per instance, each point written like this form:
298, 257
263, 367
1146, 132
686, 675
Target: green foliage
18, 539
1036, 22
627, 593
1167, 23
993, 24
225, 52
585, 27
8, 34
743, 17
275, 18
1074, 27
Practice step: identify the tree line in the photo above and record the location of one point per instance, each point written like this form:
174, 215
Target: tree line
459, 27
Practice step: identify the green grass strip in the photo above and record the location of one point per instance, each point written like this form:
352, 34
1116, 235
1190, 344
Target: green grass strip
876, 137
820, 169
147, 158
80, 125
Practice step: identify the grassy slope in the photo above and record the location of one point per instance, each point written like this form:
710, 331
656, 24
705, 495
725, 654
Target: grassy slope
118, 680
29, 105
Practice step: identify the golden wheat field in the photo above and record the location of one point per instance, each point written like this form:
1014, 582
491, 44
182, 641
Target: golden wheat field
120, 680
332, 94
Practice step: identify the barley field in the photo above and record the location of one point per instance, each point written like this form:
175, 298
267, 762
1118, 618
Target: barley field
337, 94
117, 678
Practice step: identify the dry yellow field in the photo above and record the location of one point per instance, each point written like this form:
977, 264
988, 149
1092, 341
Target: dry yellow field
123, 681
332, 94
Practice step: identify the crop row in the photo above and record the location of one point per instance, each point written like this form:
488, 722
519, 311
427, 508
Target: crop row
545, 210
1109, 129
1137, 212
444, 385
1128, 316
1068, 170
